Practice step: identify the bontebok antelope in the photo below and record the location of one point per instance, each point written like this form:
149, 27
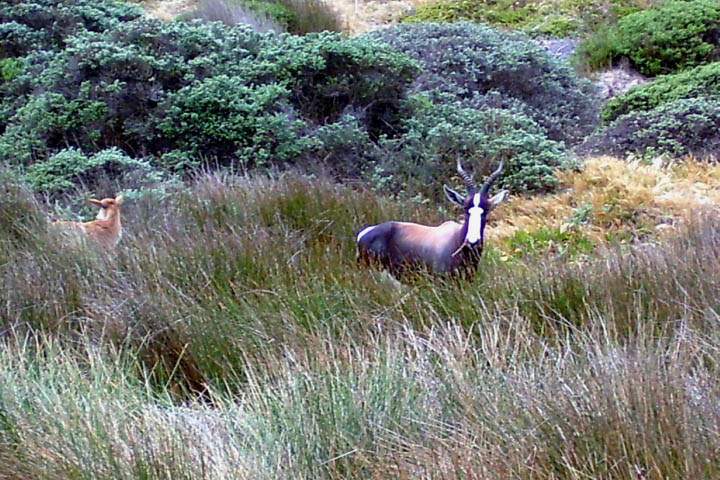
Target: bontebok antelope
448, 248
105, 230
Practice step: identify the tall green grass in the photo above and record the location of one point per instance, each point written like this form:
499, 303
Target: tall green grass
231, 335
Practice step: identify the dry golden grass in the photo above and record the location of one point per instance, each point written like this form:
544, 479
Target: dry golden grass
620, 199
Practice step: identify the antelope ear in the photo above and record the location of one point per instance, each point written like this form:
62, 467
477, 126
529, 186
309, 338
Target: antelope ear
453, 196
95, 202
119, 199
498, 199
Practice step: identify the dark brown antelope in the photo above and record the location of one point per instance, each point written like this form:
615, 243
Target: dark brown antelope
449, 248
105, 230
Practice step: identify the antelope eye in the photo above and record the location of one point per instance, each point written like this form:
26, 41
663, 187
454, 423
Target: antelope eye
103, 206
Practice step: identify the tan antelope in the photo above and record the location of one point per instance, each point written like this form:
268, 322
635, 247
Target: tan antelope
105, 230
450, 248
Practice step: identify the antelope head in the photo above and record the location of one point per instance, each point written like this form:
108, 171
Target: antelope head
109, 207
477, 204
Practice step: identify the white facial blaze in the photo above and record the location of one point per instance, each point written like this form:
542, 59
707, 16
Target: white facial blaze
475, 220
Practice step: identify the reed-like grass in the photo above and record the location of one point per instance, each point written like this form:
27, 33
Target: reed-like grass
231, 335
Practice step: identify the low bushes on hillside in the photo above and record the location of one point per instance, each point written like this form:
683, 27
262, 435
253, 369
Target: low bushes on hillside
177, 94
487, 68
703, 81
437, 134
148, 87
677, 128
27, 25
676, 35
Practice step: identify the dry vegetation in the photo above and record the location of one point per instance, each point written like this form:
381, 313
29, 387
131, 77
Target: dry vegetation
612, 198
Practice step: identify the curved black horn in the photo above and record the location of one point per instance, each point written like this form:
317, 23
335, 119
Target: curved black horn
467, 178
491, 179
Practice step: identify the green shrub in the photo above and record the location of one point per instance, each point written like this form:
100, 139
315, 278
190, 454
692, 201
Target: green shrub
69, 168
27, 25
680, 127
222, 118
488, 68
346, 147
140, 85
328, 74
676, 35
439, 134
48, 122
10, 68
703, 81
597, 51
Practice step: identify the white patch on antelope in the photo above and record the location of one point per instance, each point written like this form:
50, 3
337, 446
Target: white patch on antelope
364, 232
475, 221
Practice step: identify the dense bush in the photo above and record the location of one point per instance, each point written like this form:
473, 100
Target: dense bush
27, 25
141, 86
345, 147
488, 68
439, 134
676, 35
703, 81
680, 127
69, 168
220, 117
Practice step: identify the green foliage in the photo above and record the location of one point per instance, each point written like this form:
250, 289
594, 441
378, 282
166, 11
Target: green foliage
301, 17
222, 118
27, 25
10, 68
186, 89
439, 134
597, 51
703, 81
488, 68
49, 121
676, 35
180, 93
328, 74
677, 128
68, 168
278, 12
346, 147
